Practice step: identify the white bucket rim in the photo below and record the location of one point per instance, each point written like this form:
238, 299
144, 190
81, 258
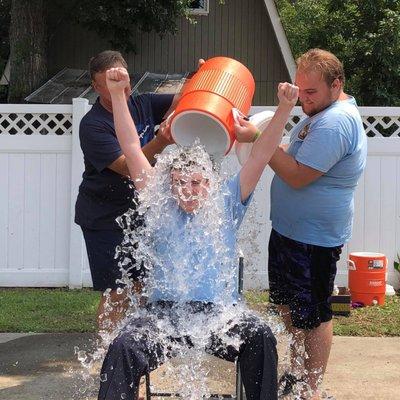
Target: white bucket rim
176, 117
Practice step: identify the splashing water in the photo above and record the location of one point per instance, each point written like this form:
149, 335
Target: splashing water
158, 206
175, 257
180, 251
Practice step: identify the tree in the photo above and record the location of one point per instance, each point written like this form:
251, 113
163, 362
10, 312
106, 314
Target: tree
4, 43
363, 34
4, 27
28, 47
117, 21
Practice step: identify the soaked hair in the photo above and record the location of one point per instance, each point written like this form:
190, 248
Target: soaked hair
105, 60
324, 62
187, 159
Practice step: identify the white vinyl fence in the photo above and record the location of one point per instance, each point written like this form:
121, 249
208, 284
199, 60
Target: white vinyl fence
40, 170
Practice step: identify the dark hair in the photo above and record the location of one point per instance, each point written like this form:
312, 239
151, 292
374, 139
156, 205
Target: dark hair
324, 62
183, 161
187, 159
105, 60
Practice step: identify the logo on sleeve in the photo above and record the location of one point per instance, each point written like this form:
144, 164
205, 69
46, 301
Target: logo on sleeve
304, 132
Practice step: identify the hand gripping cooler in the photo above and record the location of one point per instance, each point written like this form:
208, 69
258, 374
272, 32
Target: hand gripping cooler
261, 121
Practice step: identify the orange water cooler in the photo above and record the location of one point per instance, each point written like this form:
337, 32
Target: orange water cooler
367, 277
204, 111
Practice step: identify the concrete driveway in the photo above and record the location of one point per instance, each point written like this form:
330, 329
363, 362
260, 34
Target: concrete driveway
45, 367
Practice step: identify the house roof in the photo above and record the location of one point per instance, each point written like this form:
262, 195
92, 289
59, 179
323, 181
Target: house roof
5, 78
281, 37
71, 83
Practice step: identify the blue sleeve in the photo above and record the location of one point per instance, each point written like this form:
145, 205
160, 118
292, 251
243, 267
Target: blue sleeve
160, 103
322, 149
238, 207
99, 146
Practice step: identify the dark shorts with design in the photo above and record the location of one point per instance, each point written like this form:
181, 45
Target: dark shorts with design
302, 276
104, 266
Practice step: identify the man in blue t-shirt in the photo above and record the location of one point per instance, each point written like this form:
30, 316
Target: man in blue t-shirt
192, 279
312, 210
106, 191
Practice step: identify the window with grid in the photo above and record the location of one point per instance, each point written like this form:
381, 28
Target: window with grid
199, 7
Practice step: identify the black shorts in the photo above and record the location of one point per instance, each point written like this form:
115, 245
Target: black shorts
302, 276
104, 268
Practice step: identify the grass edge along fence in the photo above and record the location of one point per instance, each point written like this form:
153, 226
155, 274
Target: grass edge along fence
64, 310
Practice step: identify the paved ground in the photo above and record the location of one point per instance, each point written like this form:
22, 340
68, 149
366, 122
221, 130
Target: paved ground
44, 367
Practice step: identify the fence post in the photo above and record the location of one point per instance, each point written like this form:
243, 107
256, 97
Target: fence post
76, 250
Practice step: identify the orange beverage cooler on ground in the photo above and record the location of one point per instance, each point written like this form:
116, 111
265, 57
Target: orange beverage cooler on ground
367, 277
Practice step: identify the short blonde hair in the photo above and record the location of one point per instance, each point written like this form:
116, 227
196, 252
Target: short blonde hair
324, 62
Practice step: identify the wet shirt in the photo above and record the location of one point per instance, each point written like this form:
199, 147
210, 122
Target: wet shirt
321, 213
104, 194
191, 265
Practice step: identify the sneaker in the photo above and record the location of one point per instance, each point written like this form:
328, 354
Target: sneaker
286, 383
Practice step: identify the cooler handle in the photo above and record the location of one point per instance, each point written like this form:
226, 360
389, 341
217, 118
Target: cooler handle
386, 273
351, 265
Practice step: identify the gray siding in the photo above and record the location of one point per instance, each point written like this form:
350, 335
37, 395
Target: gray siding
240, 29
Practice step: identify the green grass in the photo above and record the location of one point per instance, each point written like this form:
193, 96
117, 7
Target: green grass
371, 321
63, 310
366, 321
48, 310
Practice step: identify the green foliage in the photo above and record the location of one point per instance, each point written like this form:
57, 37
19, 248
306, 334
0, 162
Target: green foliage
303, 20
364, 35
119, 21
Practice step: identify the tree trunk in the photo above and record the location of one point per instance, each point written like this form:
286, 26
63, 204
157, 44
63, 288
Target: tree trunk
28, 48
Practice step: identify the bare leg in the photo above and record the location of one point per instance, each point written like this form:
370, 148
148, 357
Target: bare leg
318, 343
312, 347
112, 308
297, 343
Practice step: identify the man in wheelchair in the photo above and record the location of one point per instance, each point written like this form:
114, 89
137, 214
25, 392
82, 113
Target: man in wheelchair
189, 239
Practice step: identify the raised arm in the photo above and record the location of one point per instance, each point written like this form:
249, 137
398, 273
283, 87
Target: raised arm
139, 167
267, 143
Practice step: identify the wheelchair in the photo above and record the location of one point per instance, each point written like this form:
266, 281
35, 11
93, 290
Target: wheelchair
239, 395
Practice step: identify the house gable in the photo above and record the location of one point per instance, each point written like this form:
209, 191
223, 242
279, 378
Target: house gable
247, 30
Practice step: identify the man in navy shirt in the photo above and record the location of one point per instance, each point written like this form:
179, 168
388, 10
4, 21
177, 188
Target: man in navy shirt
106, 191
